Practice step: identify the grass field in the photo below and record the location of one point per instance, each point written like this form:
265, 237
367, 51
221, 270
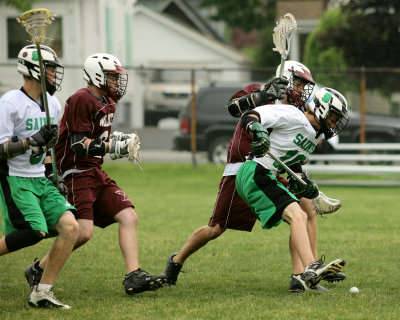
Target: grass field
238, 276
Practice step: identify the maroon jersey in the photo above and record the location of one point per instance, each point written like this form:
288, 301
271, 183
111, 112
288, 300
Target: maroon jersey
83, 113
239, 146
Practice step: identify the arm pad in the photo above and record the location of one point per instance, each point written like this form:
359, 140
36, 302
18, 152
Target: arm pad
238, 106
96, 147
11, 149
247, 119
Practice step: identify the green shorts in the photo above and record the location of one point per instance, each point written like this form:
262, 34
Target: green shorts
263, 193
31, 201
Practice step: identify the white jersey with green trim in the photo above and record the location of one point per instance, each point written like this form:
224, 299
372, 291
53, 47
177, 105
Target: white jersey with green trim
292, 137
22, 117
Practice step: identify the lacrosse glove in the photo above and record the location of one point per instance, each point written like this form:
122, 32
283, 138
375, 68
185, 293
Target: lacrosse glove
119, 148
309, 190
43, 140
275, 89
261, 142
267, 93
49, 173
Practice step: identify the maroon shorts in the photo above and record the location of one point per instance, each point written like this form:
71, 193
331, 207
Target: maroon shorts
286, 184
230, 211
95, 196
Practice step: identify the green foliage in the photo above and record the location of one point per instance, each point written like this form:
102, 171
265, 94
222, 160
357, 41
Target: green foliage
240, 275
21, 5
359, 34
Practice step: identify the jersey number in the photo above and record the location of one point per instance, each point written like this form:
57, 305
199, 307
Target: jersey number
290, 158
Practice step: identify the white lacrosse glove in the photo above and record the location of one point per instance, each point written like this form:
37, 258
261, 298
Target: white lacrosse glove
126, 145
119, 149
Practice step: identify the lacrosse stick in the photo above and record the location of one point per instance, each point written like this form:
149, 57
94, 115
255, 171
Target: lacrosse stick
35, 22
281, 37
322, 204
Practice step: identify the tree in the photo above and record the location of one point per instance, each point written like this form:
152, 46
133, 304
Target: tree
21, 5
252, 16
362, 33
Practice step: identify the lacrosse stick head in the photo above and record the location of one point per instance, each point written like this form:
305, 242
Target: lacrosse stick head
282, 34
325, 205
35, 22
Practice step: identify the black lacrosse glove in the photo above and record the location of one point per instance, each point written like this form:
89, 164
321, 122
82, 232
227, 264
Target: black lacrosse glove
272, 90
265, 94
261, 142
49, 173
44, 139
309, 190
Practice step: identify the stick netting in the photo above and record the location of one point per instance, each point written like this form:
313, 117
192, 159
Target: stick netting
35, 22
284, 28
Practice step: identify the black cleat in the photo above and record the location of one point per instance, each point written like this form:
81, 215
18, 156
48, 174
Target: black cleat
298, 285
33, 274
316, 270
172, 270
139, 280
340, 276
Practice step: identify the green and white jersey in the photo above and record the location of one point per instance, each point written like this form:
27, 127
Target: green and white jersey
292, 137
22, 117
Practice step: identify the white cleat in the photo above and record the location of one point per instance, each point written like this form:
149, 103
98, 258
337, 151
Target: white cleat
45, 299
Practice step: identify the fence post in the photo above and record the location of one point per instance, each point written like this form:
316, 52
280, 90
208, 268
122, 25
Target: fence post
193, 137
362, 104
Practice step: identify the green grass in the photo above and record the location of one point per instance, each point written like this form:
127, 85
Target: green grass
238, 276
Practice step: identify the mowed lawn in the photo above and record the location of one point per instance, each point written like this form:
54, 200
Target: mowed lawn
241, 275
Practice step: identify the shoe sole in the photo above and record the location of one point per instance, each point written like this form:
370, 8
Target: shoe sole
47, 305
332, 280
153, 286
334, 268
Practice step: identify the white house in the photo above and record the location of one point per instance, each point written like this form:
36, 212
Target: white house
138, 36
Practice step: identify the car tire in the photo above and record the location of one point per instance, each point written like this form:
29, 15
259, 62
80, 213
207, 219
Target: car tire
218, 149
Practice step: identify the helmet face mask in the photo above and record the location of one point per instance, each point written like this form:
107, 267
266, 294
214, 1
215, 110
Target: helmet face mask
301, 84
105, 72
330, 111
28, 65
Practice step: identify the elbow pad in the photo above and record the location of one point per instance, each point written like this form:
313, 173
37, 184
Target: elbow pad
238, 106
247, 119
96, 147
11, 149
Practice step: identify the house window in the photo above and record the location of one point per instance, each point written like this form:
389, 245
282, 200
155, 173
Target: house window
19, 38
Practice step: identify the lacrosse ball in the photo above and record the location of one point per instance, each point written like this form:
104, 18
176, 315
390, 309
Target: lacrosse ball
354, 290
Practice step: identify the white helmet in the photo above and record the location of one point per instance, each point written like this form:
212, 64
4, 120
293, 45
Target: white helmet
98, 66
325, 101
291, 71
28, 65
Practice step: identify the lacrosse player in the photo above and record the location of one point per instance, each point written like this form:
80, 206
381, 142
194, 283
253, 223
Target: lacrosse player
85, 138
294, 136
31, 206
230, 212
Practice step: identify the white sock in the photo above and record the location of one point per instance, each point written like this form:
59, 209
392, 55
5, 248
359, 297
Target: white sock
44, 287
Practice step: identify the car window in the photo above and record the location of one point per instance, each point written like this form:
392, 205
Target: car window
215, 100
